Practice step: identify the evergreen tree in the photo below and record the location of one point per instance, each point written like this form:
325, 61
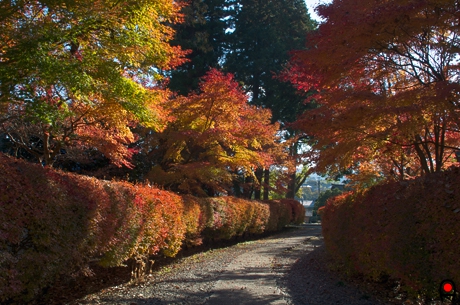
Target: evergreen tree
259, 47
203, 33
264, 34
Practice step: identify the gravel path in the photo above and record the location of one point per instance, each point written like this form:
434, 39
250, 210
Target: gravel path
287, 268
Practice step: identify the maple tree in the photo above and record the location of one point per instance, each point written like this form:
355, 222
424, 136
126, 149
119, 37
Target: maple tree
214, 136
82, 73
386, 77
263, 33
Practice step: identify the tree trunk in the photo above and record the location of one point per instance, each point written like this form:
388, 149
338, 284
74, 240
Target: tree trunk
421, 156
292, 181
258, 188
237, 188
266, 183
292, 186
248, 188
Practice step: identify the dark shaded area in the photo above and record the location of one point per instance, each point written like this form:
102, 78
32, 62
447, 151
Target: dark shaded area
312, 280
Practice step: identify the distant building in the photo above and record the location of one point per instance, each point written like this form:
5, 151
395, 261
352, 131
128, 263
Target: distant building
308, 205
338, 186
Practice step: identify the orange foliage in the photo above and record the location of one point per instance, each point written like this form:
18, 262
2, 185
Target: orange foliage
54, 223
215, 134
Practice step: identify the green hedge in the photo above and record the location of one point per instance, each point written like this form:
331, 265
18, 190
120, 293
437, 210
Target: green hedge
408, 231
53, 223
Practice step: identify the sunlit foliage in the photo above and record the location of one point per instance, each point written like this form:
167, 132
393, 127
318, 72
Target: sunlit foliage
81, 73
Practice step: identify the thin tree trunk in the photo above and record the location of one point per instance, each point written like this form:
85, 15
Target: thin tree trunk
266, 183
258, 189
440, 134
293, 178
421, 156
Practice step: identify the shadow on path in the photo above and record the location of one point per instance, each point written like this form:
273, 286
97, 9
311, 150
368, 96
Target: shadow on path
310, 282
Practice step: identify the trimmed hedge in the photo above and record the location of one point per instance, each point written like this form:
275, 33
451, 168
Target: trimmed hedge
53, 223
408, 231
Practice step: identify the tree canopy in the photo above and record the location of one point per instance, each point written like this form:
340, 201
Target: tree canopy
215, 135
252, 40
262, 37
264, 33
203, 33
386, 77
81, 73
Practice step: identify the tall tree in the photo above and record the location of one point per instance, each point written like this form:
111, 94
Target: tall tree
386, 74
203, 34
264, 32
81, 73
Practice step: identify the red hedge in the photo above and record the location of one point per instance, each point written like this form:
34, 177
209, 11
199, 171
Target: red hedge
53, 223
408, 231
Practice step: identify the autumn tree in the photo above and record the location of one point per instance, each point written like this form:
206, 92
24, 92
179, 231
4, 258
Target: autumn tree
386, 74
82, 73
214, 136
263, 34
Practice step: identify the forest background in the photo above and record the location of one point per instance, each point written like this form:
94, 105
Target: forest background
230, 97
243, 98
201, 97
177, 97
183, 95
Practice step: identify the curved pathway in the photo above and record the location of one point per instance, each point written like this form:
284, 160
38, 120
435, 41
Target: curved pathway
287, 268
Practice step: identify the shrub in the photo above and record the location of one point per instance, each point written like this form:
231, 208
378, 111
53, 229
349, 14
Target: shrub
260, 218
297, 211
403, 230
280, 215
53, 223
42, 231
194, 219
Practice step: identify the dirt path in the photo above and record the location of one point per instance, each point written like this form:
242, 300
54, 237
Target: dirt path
251, 277
287, 268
